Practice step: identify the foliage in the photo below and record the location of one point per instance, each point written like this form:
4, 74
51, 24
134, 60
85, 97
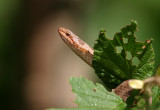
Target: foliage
114, 67
91, 96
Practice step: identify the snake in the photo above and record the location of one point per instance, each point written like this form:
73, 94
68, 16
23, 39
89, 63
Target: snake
86, 53
78, 46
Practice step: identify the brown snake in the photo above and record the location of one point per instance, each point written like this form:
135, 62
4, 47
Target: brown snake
82, 49
85, 52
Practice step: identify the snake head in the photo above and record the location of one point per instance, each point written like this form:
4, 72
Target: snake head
81, 48
66, 35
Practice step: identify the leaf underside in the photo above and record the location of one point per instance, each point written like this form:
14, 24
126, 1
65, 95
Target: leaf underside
91, 96
114, 67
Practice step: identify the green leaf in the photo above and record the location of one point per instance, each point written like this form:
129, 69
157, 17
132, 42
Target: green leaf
131, 99
155, 94
114, 67
142, 100
91, 96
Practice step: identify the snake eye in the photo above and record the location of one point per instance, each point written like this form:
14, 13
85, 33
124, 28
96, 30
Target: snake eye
68, 33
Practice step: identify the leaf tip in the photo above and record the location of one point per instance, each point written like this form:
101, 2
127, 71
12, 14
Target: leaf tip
102, 31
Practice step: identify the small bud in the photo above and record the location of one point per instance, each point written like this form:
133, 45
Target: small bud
136, 84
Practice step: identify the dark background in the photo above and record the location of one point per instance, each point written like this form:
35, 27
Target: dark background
35, 64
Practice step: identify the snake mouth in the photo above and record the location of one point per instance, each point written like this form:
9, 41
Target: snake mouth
61, 31
65, 34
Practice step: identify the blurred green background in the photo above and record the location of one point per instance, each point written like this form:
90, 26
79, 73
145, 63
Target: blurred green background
35, 63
